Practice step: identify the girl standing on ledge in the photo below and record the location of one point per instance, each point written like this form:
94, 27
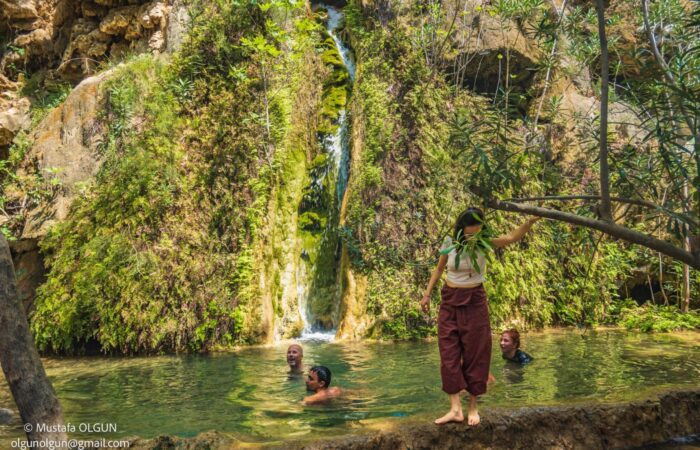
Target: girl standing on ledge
464, 330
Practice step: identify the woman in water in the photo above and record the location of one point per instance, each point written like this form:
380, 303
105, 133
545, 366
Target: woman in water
464, 330
510, 347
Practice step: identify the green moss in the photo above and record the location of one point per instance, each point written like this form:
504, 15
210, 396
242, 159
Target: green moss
162, 253
320, 161
331, 56
312, 221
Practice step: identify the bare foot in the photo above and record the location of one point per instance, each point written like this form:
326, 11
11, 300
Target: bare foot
452, 416
473, 418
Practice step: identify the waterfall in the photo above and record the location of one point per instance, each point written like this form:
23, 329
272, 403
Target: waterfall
336, 147
340, 139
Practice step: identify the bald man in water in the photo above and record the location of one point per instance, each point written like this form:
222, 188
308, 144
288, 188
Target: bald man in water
295, 356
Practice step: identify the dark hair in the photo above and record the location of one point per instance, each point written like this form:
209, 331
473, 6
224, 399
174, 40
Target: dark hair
469, 217
323, 373
514, 336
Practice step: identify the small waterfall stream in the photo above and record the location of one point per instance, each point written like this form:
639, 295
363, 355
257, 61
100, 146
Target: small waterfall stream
336, 146
339, 145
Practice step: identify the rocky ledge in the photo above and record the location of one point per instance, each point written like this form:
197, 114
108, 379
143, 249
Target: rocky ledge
599, 426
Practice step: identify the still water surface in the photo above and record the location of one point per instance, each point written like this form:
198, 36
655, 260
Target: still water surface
250, 395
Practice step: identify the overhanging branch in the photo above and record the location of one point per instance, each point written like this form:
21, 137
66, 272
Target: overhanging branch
608, 228
631, 201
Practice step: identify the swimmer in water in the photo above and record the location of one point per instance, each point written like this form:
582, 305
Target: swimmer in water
510, 347
319, 381
295, 357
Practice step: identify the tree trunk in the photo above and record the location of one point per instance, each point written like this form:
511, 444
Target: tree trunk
685, 292
35, 398
685, 300
605, 207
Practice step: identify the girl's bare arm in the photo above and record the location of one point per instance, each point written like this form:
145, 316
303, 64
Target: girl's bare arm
437, 273
515, 235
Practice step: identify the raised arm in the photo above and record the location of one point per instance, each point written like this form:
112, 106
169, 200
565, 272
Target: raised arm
437, 273
516, 234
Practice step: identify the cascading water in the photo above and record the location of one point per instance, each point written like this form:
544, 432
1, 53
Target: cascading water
314, 290
339, 144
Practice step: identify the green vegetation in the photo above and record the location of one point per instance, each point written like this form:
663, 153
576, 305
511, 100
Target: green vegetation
458, 146
161, 253
217, 195
658, 318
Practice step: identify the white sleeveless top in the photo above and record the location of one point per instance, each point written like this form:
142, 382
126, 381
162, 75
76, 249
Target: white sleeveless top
465, 275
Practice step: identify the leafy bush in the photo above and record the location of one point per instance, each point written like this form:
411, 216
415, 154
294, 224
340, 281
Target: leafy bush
658, 318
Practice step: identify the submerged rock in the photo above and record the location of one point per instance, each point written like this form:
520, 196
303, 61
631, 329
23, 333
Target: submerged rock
5, 416
599, 426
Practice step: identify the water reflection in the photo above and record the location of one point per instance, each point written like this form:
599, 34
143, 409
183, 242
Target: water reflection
251, 394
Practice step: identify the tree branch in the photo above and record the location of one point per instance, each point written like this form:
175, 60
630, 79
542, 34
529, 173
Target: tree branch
608, 228
688, 220
661, 61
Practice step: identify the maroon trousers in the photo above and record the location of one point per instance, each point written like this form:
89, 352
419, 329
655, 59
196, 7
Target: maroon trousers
464, 340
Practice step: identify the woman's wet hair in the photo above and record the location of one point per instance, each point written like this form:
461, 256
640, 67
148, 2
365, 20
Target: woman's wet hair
323, 373
469, 217
514, 336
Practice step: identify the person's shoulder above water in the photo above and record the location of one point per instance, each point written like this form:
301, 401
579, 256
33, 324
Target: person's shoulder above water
319, 382
522, 357
323, 396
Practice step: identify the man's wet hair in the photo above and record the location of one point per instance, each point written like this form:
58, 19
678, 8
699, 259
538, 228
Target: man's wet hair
323, 373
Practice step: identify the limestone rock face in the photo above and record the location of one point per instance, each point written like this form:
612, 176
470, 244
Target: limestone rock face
119, 20
14, 113
112, 32
355, 324
14, 116
177, 26
484, 45
74, 36
35, 28
153, 15
66, 144
91, 9
19, 9
22, 14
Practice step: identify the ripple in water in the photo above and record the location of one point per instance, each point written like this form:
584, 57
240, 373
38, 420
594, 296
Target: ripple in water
250, 394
